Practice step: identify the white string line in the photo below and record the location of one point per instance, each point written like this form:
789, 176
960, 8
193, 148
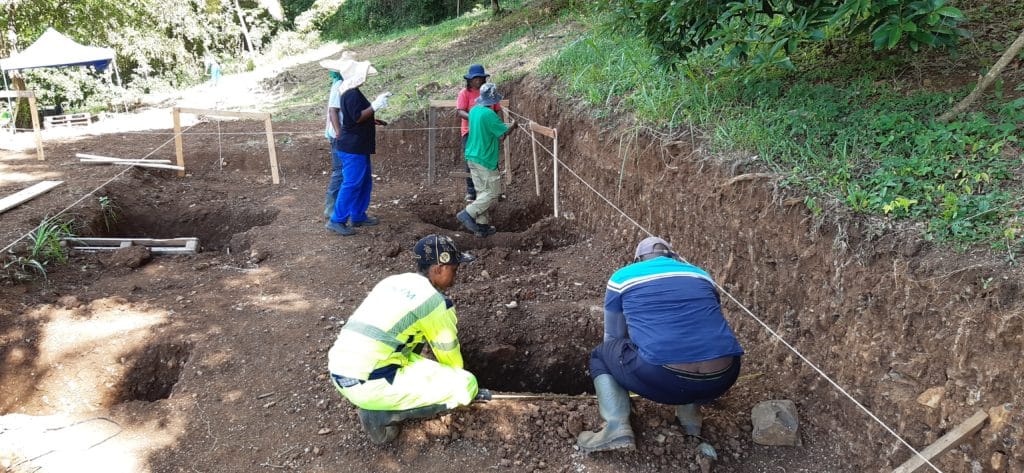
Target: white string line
766, 327
263, 133
80, 200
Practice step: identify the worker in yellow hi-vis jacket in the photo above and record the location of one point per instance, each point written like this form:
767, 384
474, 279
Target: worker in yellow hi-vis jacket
376, 363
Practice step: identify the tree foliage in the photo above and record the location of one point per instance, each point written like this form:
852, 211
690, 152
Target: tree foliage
382, 16
157, 43
764, 33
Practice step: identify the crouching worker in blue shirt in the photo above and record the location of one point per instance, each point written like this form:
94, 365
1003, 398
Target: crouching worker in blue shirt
376, 363
664, 339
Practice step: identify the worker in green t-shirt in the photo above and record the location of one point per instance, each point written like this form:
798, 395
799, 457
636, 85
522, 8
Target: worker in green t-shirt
486, 131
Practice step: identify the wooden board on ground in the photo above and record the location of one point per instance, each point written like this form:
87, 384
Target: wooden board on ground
166, 246
25, 195
943, 444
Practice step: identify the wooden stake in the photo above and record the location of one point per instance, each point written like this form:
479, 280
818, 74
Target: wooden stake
536, 173
31, 96
26, 195
555, 161
275, 173
178, 147
508, 163
948, 441
431, 144
35, 126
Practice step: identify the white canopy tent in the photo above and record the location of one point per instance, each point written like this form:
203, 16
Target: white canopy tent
53, 49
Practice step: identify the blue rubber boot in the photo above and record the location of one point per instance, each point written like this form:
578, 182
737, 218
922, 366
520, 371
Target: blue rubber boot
613, 404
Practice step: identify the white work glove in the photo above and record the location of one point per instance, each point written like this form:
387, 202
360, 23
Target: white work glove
381, 101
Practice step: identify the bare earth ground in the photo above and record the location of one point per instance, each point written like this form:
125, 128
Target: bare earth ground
216, 362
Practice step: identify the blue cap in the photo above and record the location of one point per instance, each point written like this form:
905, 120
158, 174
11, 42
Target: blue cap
476, 70
438, 249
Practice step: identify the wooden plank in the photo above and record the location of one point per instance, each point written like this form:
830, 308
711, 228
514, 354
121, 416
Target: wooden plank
35, 126
178, 147
275, 173
103, 159
101, 241
224, 113
946, 442
11, 94
25, 195
143, 164
163, 250
548, 132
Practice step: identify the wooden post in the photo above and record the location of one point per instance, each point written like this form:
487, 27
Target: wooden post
35, 126
553, 133
431, 144
275, 174
555, 158
33, 110
536, 173
178, 146
943, 444
508, 164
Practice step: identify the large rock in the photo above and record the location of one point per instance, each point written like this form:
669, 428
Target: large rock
776, 423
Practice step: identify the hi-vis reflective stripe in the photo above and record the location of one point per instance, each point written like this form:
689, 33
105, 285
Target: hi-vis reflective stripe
390, 338
373, 332
448, 346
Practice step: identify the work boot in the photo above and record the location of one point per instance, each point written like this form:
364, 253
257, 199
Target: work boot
486, 230
339, 228
383, 426
690, 418
468, 222
369, 222
613, 404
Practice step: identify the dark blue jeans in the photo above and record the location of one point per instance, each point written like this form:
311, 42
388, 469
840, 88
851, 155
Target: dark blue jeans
334, 184
618, 357
356, 186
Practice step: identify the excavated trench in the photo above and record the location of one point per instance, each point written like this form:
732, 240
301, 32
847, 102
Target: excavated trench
886, 314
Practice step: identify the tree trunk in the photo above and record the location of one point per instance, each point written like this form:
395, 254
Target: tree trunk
495, 7
245, 29
986, 80
21, 114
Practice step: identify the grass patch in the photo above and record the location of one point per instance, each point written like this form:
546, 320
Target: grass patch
838, 133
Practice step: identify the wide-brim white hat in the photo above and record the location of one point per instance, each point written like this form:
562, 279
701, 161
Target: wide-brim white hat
343, 61
354, 74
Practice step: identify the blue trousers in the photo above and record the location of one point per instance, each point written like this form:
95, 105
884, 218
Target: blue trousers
334, 184
618, 357
356, 185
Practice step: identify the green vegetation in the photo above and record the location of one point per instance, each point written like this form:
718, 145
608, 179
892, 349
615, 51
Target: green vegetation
761, 34
843, 132
45, 249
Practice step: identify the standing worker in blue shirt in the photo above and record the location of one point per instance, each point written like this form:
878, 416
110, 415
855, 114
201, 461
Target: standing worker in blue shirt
665, 339
356, 142
486, 131
333, 127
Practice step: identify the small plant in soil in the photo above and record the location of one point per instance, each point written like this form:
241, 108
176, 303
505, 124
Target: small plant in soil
46, 241
110, 212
